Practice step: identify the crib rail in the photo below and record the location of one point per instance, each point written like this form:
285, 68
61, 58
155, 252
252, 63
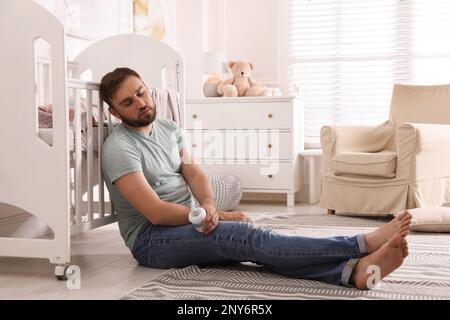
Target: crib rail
90, 206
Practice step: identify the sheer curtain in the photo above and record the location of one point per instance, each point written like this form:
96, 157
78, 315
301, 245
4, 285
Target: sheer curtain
344, 56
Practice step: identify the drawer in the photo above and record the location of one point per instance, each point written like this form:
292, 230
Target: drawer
240, 115
240, 144
273, 175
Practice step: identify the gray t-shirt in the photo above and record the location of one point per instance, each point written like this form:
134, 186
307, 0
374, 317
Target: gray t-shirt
157, 157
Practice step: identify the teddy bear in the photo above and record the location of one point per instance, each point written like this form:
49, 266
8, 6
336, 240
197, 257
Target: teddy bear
240, 85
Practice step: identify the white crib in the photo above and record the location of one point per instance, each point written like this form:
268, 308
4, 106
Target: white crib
58, 179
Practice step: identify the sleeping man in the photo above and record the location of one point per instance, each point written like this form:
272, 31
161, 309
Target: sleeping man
152, 179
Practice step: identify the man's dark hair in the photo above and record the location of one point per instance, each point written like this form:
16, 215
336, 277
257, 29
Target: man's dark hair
112, 81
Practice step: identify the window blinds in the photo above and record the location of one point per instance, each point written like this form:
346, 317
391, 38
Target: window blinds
344, 56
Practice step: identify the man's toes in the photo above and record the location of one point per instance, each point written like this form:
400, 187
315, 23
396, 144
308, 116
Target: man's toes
405, 228
402, 215
405, 221
405, 251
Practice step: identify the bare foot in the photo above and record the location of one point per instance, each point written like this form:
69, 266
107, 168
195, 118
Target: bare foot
404, 247
400, 224
386, 259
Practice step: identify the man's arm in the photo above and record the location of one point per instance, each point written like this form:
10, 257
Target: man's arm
197, 180
135, 188
200, 188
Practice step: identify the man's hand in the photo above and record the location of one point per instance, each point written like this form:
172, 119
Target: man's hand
234, 216
211, 220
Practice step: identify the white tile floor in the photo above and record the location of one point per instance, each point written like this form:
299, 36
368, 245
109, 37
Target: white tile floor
107, 268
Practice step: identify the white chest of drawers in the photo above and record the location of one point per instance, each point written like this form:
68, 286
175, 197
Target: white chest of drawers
257, 139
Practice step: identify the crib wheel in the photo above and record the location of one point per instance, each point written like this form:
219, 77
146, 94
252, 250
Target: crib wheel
61, 272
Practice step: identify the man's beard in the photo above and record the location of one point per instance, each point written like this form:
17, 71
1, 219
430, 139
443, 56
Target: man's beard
145, 121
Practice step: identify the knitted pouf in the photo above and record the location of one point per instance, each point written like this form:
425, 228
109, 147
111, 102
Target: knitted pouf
227, 190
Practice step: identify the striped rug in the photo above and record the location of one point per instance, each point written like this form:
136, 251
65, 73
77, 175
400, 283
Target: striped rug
425, 273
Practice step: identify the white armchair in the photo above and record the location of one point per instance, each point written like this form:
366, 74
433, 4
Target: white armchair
401, 164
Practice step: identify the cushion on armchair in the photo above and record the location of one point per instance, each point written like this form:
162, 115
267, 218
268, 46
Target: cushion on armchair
375, 164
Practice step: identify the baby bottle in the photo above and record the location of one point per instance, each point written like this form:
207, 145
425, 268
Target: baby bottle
196, 217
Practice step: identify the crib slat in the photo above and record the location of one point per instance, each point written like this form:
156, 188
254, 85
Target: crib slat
90, 151
110, 129
72, 171
101, 183
78, 159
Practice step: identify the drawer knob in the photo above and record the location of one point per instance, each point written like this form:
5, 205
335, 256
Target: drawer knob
270, 115
269, 146
194, 146
270, 176
194, 116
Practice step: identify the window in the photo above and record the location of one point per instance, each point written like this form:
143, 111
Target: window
345, 55
86, 21
93, 20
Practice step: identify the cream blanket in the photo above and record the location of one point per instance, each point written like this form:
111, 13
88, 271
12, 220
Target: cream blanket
168, 104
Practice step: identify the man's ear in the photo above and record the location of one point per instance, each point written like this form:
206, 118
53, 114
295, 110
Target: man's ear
114, 112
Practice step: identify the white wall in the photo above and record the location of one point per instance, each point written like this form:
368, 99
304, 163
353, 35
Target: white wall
252, 34
189, 42
243, 29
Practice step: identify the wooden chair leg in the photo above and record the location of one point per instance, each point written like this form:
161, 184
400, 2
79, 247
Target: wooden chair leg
330, 211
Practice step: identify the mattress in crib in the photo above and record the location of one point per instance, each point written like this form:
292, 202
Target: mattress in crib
46, 134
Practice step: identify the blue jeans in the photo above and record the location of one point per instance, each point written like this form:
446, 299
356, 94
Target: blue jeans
326, 259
